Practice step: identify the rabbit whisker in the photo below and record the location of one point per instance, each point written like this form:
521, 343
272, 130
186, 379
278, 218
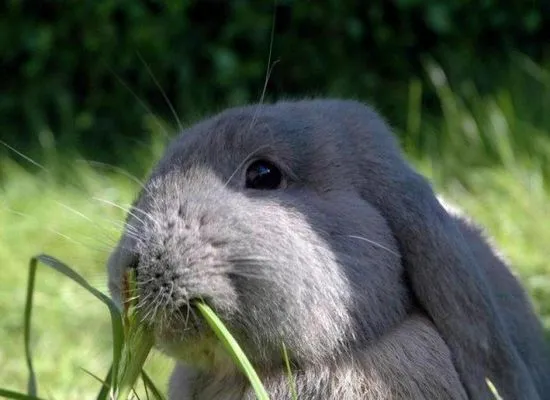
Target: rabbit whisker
374, 243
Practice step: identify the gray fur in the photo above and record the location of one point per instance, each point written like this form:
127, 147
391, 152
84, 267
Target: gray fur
374, 288
409, 362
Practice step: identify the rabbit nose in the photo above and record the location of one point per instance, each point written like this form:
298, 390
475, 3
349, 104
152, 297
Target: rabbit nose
163, 283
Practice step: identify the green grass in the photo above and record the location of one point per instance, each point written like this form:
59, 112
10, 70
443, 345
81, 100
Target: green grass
71, 328
239, 357
132, 340
489, 155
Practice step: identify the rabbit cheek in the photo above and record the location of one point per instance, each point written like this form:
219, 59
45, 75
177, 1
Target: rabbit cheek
294, 292
333, 276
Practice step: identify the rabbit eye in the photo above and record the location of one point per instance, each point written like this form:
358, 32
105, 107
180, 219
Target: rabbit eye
263, 175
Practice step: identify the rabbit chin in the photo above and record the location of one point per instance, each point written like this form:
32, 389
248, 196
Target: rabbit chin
201, 350
191, 341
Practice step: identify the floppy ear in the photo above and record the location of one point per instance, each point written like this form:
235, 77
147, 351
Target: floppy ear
444, 275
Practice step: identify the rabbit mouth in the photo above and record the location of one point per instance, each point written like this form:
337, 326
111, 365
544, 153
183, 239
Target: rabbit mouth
178, 324
176, 321
186, 337
202, 350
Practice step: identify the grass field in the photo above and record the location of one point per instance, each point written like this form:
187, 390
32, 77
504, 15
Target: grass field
492, 159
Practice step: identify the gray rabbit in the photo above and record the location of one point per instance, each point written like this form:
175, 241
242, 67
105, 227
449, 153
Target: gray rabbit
301, 223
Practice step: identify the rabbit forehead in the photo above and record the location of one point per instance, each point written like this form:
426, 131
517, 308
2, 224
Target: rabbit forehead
309, 138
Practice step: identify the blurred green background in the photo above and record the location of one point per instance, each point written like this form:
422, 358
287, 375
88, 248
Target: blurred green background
90, 91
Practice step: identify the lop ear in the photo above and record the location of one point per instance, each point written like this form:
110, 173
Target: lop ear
445, 277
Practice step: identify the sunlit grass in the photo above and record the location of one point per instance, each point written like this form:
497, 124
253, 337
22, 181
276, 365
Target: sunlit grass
71, 330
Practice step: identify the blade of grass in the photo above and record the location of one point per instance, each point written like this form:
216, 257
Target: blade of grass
31, 385
145, 387
116, 318
234, 349
291, 381
493, 389
136, 395
97, 378
151, 386
132, 341
8, 394
105, 388
104, 392
139, 339
139, 344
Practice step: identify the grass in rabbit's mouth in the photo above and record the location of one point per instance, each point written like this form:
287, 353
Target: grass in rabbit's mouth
132, 340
